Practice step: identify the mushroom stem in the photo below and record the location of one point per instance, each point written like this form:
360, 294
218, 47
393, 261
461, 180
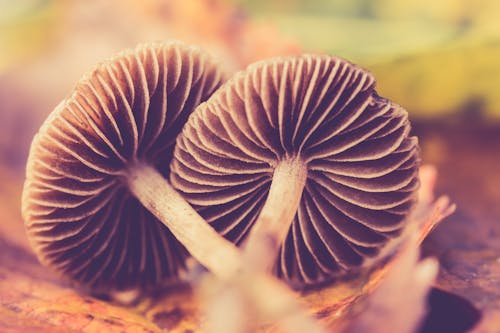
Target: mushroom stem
156, 194
274, 221
217, 254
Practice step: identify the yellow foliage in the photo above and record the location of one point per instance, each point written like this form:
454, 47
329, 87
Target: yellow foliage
454, 79
433, 57
26, 27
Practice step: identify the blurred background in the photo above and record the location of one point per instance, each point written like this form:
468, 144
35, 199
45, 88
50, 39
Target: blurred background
439, 59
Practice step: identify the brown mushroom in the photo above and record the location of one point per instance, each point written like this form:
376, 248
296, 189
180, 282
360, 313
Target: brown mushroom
93, 203
300, 154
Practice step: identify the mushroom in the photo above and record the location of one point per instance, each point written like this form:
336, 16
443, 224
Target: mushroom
95, 206
301, 160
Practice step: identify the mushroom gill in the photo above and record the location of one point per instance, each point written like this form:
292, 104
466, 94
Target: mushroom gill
83, 212
303, 154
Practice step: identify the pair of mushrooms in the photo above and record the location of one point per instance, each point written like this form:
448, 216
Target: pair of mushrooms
297, 159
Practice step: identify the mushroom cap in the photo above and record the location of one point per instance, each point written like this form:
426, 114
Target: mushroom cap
361, 163
79, 215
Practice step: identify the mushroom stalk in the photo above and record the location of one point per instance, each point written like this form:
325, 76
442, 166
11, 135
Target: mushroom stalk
216, 253
201, 240
273, 223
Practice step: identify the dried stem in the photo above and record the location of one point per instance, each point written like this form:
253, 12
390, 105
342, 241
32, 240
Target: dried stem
253, 295
274, 221
276, 303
